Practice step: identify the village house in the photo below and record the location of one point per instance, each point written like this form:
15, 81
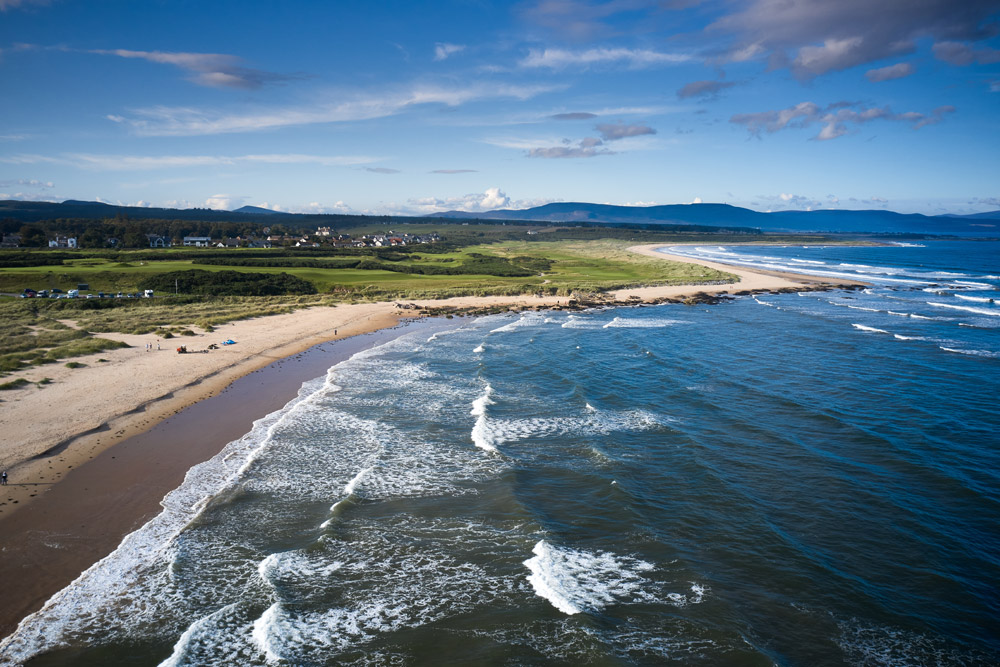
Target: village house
157, 241
198, 241
11, 241
63, 242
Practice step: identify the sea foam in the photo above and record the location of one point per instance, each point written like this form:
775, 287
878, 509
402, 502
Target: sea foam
482, 436
576, 581
862, 327
968, 309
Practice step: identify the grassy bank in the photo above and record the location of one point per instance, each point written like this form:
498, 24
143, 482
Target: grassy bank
40, 331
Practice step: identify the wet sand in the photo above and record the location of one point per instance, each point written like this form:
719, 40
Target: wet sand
85, 516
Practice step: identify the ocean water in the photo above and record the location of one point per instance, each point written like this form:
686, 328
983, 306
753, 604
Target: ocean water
794, 479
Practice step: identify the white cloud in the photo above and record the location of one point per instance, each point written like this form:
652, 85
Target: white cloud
492, 199
442, 51
835, 118
29, 183
224, 202
118, 202
216, 70
616, 131
143, 162
897, 71
26, 196
6, 5
187, 121
637, 58
586, 147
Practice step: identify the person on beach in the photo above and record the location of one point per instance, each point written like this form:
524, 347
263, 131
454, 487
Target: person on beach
3, 478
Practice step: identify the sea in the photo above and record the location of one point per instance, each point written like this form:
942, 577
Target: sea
805, 478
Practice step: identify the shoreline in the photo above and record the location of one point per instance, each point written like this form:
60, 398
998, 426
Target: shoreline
116, 451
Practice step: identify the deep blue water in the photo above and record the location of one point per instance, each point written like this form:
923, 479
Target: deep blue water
795, 479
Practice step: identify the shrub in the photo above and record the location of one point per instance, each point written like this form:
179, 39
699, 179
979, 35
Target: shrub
229, 283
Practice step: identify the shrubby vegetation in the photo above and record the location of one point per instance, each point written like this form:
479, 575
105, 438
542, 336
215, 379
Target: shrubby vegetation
228, 283
476, 264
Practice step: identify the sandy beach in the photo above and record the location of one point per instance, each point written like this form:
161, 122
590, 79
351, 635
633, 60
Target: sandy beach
53, 431
54, 428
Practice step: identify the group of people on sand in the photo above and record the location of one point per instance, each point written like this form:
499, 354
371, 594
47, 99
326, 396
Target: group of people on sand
149, 346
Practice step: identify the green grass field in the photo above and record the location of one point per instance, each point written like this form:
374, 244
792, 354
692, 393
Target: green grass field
33, 331
576, 266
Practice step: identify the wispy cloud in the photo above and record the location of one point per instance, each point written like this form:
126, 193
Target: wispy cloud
26, 196
382, 170
581, 20
616, 131
143, 162
454, 171
187, 121
897, 71
586, 147
963, 55
635, 58
7, 5
835, 118
443, 51
216, 70
27, 183
704, 89
490, 200
574, 115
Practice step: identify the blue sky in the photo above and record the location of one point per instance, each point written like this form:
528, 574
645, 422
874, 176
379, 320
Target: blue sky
412, 108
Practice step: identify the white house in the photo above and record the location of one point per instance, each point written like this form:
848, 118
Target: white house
199, 241
63, 242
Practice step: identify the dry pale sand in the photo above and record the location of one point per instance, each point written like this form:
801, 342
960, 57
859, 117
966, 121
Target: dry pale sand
49, 429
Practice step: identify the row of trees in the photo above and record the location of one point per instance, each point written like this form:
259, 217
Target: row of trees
132, 233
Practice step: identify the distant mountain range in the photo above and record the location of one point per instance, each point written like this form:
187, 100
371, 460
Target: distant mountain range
257, 210
714, 215
30, 211
729, 216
